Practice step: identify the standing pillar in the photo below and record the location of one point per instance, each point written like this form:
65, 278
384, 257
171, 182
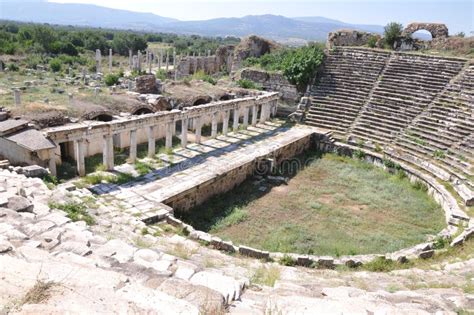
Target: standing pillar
108, 152
225, 122
133, 145
52, 163
274, 108
151, 141
198, 127
139, 61
167, 60
235, 125
184, 132
98, 60
130, 59
169, 135
16, 95
246, 117
110, 60
214, 125
161, 59
263, 113
254, 115
80, 161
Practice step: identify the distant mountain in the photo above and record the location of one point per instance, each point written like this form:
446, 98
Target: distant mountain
40, 11
280, 28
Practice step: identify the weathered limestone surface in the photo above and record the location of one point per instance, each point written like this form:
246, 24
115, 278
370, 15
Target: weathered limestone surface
350, 38
272, 81
437, 30
146, 84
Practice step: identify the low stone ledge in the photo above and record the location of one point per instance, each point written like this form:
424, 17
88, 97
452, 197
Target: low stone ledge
254, 253
226, 246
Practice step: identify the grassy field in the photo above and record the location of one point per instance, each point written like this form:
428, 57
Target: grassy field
334, 206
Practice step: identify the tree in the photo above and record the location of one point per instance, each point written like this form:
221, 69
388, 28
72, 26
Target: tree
300, 66
69, 49
44, 35
122, 42
392, 32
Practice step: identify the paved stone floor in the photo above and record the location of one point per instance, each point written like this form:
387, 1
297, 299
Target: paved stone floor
198, 163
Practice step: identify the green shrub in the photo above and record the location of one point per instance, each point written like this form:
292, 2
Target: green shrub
380, 264
201, 75
111, 79
143, 168
13, 67
372, 41
439, 154
161, 74
55, 65
300, 66
392, 32
419, 186
248, 84
440, 243
378, 148
287, 260
359, 154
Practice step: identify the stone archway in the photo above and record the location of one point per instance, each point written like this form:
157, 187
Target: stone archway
437, 30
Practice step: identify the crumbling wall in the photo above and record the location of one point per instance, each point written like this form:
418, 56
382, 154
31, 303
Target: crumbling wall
437, 30
252, 46
272, 81
350, 38
190, 65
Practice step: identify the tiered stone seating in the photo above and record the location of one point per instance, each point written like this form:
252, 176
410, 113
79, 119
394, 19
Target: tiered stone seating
444, 133
409, 84
343, 87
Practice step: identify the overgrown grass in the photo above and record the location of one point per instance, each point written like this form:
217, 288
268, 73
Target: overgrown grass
75, 211
334, 206
266, 275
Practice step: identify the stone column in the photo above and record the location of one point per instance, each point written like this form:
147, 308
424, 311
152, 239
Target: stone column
225, 122
161, 59
52, 163
198, 124
184, 132
235, 125
108, 152
169, 135
80, 161
151, 141
130, 59
174, 59
110, 60
274, 108
214, 125
263, 113
133, 145
139, 66
167, 60
246, 117
16, 95
254, 115
98, 60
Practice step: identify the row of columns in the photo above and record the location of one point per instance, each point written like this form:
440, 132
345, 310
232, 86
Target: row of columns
267, 110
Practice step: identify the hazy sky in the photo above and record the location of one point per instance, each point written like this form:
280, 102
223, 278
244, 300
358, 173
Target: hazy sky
457, 14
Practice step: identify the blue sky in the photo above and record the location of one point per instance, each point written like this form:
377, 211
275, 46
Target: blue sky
457, 14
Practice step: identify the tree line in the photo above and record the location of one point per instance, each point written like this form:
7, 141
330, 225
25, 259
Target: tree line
29, 38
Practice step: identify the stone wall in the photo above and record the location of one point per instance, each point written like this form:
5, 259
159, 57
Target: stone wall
437, 30
272, 81
231, 179
350, 38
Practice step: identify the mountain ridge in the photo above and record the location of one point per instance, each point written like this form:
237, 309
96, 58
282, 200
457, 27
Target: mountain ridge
277, 27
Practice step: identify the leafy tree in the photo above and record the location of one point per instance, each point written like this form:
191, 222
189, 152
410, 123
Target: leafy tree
392, 32
300, 66
69, 49
44, 35
123, 42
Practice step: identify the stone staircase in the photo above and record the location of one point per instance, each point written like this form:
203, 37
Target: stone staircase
343, 88
415, 107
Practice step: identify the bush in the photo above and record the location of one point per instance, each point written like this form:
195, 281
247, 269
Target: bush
372, 41
200, 75
392, 32
13, 67
55, 65
300, 66
161, 74
69, 49
287, 260
248, 84
111, 79
75, 211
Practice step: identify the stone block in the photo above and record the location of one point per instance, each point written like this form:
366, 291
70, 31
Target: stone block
255, 253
